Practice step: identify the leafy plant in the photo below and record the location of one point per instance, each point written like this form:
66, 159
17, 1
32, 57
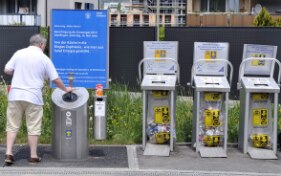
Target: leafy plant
263, 19
45, 32
183, 121
277, 22
162, 33
124, 114
233, 123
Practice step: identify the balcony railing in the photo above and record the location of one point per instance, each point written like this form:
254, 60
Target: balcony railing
20, 19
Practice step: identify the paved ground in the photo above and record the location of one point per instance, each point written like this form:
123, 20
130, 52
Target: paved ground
129, 160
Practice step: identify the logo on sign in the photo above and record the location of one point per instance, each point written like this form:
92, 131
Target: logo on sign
88, 15
68, 121
68, 133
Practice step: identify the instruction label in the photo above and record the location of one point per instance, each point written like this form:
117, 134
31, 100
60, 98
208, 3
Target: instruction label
100, 108
259, 66
212, 118
161, 115
210, 51
260, 117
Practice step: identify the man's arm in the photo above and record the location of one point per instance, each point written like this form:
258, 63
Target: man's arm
60, 85
9, 71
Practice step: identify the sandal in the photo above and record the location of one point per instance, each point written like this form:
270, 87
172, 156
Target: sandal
9, 159
34, 160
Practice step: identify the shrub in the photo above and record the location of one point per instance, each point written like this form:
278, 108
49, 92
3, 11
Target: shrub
263, 19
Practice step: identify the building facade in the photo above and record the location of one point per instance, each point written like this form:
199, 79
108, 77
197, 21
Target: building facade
38, 12
143, 12
228, 13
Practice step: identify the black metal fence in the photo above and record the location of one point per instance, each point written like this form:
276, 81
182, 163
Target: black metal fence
13, 38
126, 51
235, 36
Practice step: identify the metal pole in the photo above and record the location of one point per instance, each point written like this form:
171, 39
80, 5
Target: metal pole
157, 18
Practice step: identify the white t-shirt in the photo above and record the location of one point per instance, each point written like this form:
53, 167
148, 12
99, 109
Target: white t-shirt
31, 67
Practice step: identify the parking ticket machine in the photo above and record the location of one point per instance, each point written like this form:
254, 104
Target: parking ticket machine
258, 107
159, 87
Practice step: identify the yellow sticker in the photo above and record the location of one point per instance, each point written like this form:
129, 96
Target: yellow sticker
161, 115
159, 93
260, 96
212, 96
212, 141
260, 117
162, 137
260, 140
258, 62
211, 118
159, 53
210, 55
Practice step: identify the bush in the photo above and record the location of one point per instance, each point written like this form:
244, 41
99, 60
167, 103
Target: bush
161, 33
263, 19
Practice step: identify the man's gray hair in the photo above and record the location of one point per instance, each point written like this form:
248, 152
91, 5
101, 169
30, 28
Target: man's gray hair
37, 39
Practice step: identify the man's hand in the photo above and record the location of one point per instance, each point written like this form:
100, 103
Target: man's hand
69, 89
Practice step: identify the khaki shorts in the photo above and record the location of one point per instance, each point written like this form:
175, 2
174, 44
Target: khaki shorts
33, 114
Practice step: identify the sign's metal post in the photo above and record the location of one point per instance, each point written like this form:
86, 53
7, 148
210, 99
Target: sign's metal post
258, 89
159, 107
211, 77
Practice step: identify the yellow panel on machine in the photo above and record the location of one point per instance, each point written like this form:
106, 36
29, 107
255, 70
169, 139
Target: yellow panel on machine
211, 118
260, 96
162, 137
260, 140
161, 115
213, 96
212, 141
160, 93
260, 117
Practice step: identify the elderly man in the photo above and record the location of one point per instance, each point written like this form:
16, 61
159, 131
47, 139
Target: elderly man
30, 67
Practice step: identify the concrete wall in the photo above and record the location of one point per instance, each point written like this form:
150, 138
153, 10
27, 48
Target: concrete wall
41, 10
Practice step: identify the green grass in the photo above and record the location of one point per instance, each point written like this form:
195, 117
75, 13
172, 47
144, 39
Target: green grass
124, 118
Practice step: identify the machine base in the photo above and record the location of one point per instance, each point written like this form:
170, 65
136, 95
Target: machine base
257, 153
157, 149
212, 152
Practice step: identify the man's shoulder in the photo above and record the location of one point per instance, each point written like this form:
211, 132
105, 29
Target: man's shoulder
21, 50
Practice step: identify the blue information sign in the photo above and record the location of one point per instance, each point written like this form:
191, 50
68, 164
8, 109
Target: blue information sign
79, 45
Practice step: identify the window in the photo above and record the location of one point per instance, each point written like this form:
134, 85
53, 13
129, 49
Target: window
212, 5
123, 20
145, 20
11, 6
204, 5
78, 5
114, 20
89, 6
136, 20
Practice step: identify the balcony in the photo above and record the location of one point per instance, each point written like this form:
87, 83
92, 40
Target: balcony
20, 19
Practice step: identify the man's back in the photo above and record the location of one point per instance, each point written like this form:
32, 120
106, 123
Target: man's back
31, 66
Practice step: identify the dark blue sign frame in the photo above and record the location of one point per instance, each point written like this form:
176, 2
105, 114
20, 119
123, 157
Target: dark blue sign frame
79, 44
